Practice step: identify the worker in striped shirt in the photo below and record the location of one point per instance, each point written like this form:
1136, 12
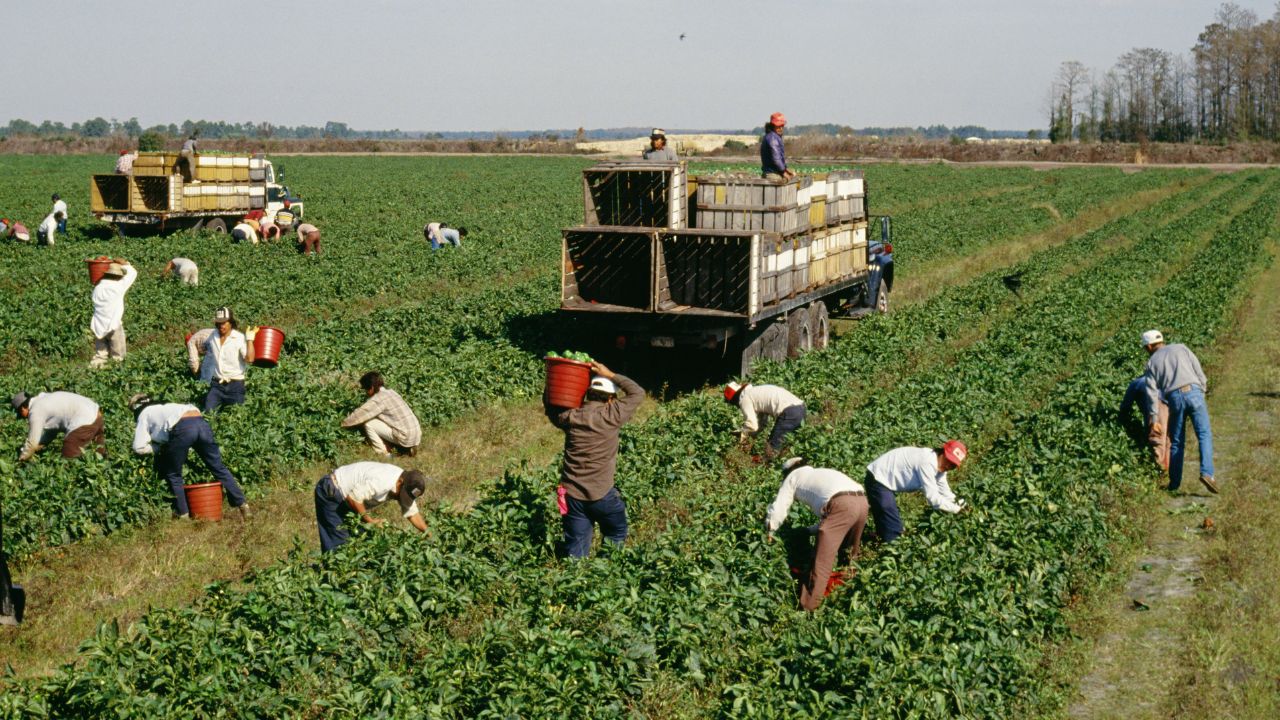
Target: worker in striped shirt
769, 400
841, 507
385, 418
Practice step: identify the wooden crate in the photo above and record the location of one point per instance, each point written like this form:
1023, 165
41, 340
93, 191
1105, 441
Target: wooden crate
738, 202
800, 269
110, 193
607, 266
636, 194
704, 270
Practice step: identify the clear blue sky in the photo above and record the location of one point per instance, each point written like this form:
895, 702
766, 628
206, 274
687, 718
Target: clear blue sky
540, 64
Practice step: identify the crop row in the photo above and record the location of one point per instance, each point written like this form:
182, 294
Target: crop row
478, 620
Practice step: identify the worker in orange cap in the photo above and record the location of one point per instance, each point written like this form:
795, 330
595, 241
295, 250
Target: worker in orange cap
912, 469
773, 158
768, 400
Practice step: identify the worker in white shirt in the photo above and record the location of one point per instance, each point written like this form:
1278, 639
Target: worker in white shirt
108, 312
244, 232
50, 224
912, 469
227, 352
356, 489
59, 206
50, 413
841, 507
170, 431
771, 401
196, 343
185, 268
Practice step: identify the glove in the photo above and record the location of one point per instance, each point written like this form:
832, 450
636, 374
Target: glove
251, 332
963, 505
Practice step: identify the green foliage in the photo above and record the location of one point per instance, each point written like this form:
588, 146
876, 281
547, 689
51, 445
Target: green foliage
150, 141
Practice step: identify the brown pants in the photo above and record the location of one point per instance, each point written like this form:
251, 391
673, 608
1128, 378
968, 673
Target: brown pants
1159, 441
311, 242
842, 521
77, 440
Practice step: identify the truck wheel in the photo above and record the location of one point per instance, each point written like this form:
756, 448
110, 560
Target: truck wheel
799, 333
819, 325
751, 352
882, 299
217, 225
775, 341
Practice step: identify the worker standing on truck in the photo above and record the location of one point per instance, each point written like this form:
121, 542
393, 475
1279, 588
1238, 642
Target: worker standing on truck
108, 312
658, 150
1157, 435
912, 469
841, 507
587, 491
59, 206
773, 156
1174, 375
308, 239
768, 400
124, 164
50, 413
356, 489
385, 418
439, 233
170, 431
50, 224
187, 158
228, 352
185, 268
285, 218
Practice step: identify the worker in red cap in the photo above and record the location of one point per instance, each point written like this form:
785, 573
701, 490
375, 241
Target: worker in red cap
124, 164
912, 469
768, 400
773, 158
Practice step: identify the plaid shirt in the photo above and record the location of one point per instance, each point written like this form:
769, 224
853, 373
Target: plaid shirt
387, 406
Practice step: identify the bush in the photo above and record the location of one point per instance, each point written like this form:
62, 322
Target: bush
150, 140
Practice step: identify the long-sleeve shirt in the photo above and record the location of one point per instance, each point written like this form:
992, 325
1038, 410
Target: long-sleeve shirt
771, 400
371, 484
773, 158
154, 424
59, 206
387, 405
1136, 393
108, 302
124, 164
915, 469
63, 411
591, 440
47, 228
662, 154
812, 486
19, 231
195, 348
225, 356
1169, 368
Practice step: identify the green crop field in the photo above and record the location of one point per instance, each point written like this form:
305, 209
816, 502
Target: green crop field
696, 615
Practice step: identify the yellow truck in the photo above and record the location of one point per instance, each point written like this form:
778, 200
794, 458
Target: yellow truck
157, 198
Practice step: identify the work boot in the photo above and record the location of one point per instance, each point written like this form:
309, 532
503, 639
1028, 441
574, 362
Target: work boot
244, 511
1210, 483
183, 516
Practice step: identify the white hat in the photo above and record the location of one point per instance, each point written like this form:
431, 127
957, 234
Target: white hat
792, 464
1151, 337
604, 385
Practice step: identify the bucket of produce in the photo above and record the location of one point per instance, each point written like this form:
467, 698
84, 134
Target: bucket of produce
568, 377
205, 501
266, 346
98, 267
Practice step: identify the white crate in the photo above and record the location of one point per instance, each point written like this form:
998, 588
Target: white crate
240, 162
224, 161
818, 188
206, 189
206, 161
257, 191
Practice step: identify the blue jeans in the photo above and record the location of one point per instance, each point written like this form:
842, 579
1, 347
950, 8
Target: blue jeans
450, 235
788, 420
884, 509
609, 512
231, 393
62, 226
331, 511
189, 433
1181, 405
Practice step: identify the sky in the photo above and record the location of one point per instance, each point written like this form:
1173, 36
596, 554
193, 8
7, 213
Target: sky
553, 64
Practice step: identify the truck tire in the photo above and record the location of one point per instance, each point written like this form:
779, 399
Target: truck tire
819, 325
882, 299
799, 333
217, 225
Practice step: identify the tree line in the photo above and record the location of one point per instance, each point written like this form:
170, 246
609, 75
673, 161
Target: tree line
131, 128
1227, 88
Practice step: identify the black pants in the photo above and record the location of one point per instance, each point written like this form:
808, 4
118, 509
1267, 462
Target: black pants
788, 420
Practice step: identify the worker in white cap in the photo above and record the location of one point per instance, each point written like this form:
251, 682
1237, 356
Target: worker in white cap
658, 150
912, 469
108, 312
841, 507
1175, 377
768, 400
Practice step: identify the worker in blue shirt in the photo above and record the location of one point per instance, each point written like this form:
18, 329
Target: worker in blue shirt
773, 158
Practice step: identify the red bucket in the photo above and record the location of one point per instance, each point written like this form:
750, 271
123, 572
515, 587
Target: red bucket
97, 268
567, 382
266, 346
205, 501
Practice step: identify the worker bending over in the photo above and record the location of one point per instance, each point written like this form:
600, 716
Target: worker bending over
50, 413
911, 469
356, 489
185, 269
170, 431
768, 400
1175, 377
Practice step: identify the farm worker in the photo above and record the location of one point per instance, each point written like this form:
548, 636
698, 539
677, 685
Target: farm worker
285, 217
911, 469
185, 268
658, 149
196, 344
1174, 375
170, 431
268, 230
438, 234
50, 413
108, 312
773, 157
308, 239
1158, 440
124, 164
187, 158
244, 232
17, 231
227, 351
841, 507
385, 418
356, 489
51, 223
59, 206
768, 400
588, 494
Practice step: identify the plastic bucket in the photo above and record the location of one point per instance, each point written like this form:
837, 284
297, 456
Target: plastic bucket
97, 268
567, 382
205, 501
266, 346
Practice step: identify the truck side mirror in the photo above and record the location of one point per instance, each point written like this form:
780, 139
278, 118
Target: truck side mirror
886, 231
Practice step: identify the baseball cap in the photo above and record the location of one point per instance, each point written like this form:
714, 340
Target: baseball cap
731, 391
657, 133
792, 464
604, 385
955, 451
778, 119
1151, 337
19, 399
